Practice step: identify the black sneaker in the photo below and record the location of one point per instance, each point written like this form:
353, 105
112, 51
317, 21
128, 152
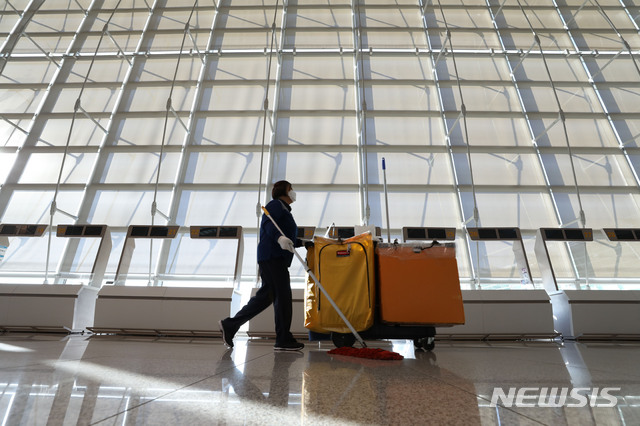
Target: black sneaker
289, 346
227, 334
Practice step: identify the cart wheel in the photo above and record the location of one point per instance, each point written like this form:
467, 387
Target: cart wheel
343, 339
426, 343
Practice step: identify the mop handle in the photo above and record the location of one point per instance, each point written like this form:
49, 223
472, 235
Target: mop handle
386, 198
310, 272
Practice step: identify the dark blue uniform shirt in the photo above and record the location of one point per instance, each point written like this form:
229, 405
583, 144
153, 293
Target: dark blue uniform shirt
268, 247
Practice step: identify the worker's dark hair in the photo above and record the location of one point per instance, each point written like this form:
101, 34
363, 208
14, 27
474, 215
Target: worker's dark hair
280, 188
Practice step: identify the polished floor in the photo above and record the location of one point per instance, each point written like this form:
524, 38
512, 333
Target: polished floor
107, 380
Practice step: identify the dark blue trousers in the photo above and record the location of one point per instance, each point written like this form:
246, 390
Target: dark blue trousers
276, 289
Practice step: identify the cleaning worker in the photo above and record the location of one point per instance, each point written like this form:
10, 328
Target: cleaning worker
275, 253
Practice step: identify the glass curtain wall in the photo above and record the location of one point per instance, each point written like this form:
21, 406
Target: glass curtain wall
519, 113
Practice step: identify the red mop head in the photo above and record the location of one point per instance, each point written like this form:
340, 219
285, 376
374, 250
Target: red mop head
370, 353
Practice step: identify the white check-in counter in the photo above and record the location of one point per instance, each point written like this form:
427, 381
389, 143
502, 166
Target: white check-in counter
46, 308
503, 314
161, 310
598, 314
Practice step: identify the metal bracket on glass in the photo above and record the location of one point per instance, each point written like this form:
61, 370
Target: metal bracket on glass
195, 46
86, 114
45, 53
120, 51
11, 123
523, 57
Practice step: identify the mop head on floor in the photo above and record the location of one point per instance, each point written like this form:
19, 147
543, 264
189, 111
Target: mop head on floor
370, 353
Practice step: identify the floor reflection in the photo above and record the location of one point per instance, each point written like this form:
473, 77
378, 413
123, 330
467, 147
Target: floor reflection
235, 380
50, 379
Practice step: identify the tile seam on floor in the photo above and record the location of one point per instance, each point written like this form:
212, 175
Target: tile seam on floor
473, 393
173, 391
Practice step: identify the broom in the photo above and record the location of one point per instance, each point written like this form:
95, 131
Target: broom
363, 352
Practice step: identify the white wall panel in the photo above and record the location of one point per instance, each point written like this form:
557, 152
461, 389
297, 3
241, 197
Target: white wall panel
533, 68
324, 17
622, 99
7, 161
605, 210
51, 43
20, 100
223, 167
122, 20
300, 96
549, 40
318, 39
94, 99
576, 99
420, 208
85, 132
220, 207
240, 130
604, 40
407, 168
499, 131
587, 132
35, 71
528, 210
247, 18
420, 97
33, 206
396, 67
470, 68
480, 98
139, 167
504, 169
163, 69
126, 207
55, 22
45, 168
402, 17
591, 170
317, 167
240, 68
132, 131
403, 38
405, 130
177, 19
303, 67
10, 136
317, 130
540, 18
155, 98
235, 98
127, 42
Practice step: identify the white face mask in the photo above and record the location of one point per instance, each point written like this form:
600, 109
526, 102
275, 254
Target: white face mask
292, 195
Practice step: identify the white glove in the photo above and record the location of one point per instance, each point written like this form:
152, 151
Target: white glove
285, 243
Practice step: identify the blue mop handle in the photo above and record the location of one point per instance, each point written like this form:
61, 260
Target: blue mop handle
386, 198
